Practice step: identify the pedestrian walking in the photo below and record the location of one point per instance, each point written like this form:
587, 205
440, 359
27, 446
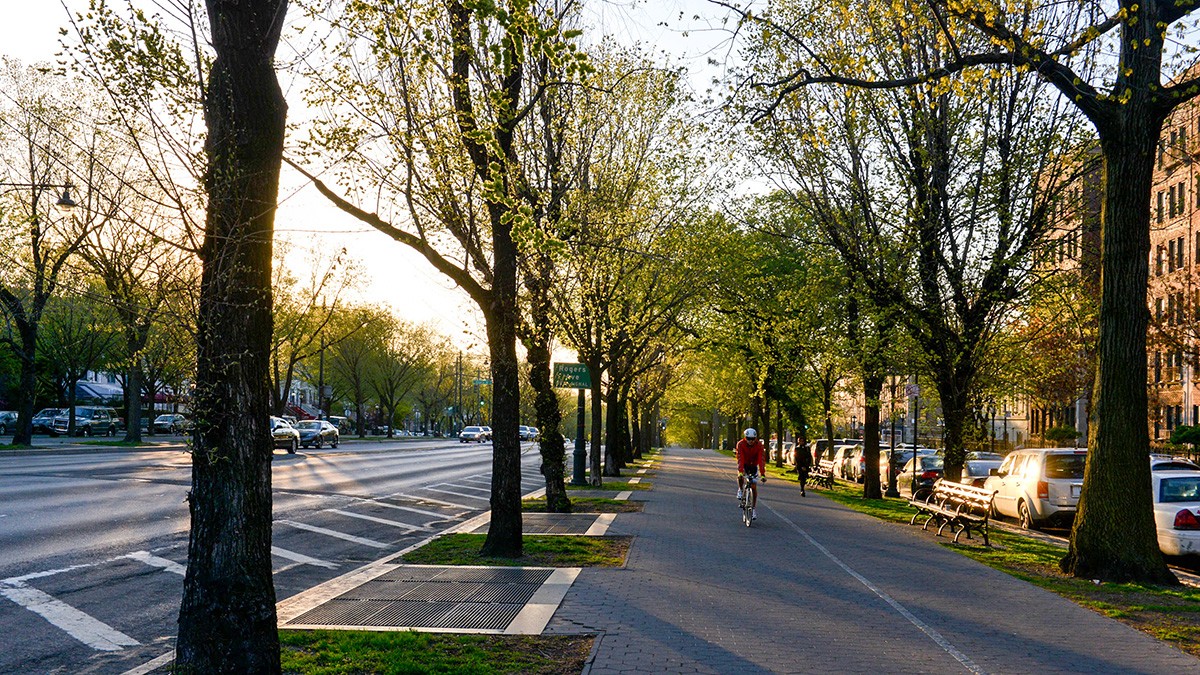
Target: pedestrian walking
804, 460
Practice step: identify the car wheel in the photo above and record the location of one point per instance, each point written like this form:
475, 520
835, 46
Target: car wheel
1025, 517
3, 430
317, 444
292, 447
87, 431
334, 444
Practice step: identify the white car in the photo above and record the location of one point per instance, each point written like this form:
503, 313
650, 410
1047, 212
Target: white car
1039, 486
1177, 510
472, 434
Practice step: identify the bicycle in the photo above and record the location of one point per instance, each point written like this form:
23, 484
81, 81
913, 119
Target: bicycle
746, 503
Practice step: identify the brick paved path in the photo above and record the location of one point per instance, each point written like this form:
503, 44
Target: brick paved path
833, 591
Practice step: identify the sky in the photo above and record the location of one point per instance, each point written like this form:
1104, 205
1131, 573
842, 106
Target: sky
395, 275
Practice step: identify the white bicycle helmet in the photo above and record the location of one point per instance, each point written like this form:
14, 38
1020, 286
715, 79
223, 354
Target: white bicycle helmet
750, 433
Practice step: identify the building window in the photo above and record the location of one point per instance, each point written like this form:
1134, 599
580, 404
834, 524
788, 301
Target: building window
1158, 310
1179, 252
1161, 199
1158, 260
1179, 316
1158, 366
1171, 256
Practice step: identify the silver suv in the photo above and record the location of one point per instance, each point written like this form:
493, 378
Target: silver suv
1039, 486
89, 421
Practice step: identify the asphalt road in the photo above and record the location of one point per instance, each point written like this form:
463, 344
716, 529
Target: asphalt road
93, 545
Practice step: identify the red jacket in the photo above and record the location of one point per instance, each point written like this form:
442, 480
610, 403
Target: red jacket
752, 452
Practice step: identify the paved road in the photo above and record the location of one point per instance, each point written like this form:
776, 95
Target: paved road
93, 546
814, 587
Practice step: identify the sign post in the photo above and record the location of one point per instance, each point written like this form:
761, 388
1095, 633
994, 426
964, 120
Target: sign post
576, 376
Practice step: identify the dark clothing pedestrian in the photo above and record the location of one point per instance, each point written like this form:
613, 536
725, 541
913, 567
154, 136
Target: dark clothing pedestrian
803, 465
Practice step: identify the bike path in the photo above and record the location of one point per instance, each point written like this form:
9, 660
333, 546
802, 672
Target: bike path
815, 587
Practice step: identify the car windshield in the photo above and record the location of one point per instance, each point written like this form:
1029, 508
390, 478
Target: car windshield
471, 429
310, 424
1065, 466
1180, 489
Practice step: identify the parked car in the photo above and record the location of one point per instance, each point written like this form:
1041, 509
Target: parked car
8, 421
170, 423
904, 452
471, 434
526, 433
789, 453
842, 459
43, 422
285, 435
487, 433
1159, 462
978, 466
1039, 486
316, 433
89, 421
1177, 510
919, 474
822, 446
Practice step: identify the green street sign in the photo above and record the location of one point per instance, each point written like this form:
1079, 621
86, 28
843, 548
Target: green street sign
479, 381
572, 376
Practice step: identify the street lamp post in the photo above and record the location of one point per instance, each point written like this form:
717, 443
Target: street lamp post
64, 200
854, 426
892, 468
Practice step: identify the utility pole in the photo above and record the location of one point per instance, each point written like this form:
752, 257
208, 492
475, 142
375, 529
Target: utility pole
458, 391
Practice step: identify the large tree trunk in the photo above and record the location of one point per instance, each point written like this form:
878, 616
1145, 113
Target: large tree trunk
1113, 537
504, 533
636, 431
227, 617
953, 385
872, 389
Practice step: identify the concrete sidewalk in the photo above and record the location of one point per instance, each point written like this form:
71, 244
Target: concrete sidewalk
815, 587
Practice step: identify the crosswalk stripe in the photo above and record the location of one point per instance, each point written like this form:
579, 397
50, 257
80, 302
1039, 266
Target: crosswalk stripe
149, 559
381, 521
467, 487
431, 514
485, 481
459, 494
332, 533
431, 499
83, 627
301, 558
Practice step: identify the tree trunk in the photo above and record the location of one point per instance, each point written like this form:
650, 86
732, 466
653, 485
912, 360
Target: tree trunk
549, 421
1114, 537
636, 419
133, 418
27, 392
612, 431
953, 385
504, 533
595, 468
71, 398
779, 432
872, 389
227, 620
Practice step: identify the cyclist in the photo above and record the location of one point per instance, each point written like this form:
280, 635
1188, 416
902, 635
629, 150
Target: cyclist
752, 463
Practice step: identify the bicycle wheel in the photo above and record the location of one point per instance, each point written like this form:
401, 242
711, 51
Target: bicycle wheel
746, 511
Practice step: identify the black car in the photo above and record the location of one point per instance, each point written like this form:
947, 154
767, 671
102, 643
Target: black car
928, 470
317, 433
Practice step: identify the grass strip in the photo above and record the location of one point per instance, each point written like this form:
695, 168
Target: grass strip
1169, 614
539, 551
327, 652
127, 444
586, 505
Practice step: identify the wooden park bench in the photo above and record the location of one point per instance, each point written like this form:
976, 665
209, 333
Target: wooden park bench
822, 474
960, 506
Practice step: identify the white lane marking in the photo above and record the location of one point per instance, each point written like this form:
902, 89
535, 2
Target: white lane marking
168, 565
83, 627
435, 501
622, 496
381, 521
901, 609
332, 533
460, 486
301, 558
50, 573
151, 666
431, 514
478, 479
459, 494
600, 527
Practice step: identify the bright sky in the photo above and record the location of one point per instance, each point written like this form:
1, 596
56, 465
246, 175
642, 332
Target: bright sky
397, 276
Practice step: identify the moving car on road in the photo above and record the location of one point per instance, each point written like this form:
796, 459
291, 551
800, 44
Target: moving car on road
317, 433
471, 434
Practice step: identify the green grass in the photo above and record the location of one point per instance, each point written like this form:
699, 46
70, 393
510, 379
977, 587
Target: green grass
614, 485
326, 652
539, 551
586, 505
